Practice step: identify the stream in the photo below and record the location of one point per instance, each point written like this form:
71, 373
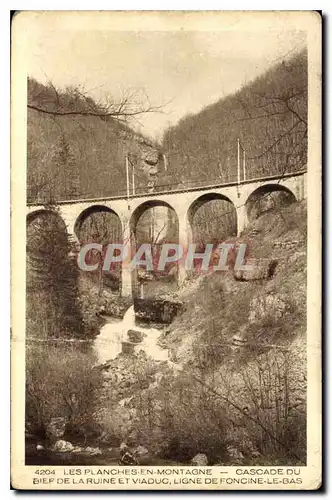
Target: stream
108, 344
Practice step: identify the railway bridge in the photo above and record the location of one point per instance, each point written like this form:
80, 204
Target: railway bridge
184, 202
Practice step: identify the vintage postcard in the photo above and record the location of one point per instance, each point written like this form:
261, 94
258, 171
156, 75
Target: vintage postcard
166, 250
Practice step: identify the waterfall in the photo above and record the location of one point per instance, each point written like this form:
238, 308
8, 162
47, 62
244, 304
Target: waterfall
108, 344
129, 318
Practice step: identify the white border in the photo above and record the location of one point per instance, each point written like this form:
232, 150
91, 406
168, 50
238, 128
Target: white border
4, 185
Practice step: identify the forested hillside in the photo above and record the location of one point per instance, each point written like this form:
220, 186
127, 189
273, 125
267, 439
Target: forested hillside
75, 149
83, 155
269, 116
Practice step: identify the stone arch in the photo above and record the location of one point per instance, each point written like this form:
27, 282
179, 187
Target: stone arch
230, 213
93, 209
45, 211
102, 230
165, 229
140, 209
259, 200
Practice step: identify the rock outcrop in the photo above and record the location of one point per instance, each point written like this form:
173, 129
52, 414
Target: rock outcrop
62, 446
157, 310
261, 269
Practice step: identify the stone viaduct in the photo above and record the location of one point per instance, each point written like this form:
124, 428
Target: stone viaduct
183, 201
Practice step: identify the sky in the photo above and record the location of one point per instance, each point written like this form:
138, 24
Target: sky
181, 65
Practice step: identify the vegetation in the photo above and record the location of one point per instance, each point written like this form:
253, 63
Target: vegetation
235, 404
252, 408
70, 140
259, 389
90, 140
53, 308
61, 381
268, 116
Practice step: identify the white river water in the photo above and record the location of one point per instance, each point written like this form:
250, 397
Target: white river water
108, 344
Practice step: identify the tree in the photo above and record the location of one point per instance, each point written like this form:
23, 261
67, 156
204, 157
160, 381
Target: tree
279, 112
75, 101
53, 308
77, 146
268, 115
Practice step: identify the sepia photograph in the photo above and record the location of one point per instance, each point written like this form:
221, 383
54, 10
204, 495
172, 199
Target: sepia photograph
166, 247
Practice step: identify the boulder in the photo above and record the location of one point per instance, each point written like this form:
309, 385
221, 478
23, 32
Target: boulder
62, 446
55, 428
151, 158
199, 460
135, 336
261, 269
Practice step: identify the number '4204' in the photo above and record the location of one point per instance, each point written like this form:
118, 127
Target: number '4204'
45, 472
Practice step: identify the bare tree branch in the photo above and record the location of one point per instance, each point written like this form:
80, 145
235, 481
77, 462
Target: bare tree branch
120, 112
277, 141
75, 101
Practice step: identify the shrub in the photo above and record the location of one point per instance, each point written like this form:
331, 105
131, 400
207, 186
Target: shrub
178, 419
267, 398
61, 382
259, 406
